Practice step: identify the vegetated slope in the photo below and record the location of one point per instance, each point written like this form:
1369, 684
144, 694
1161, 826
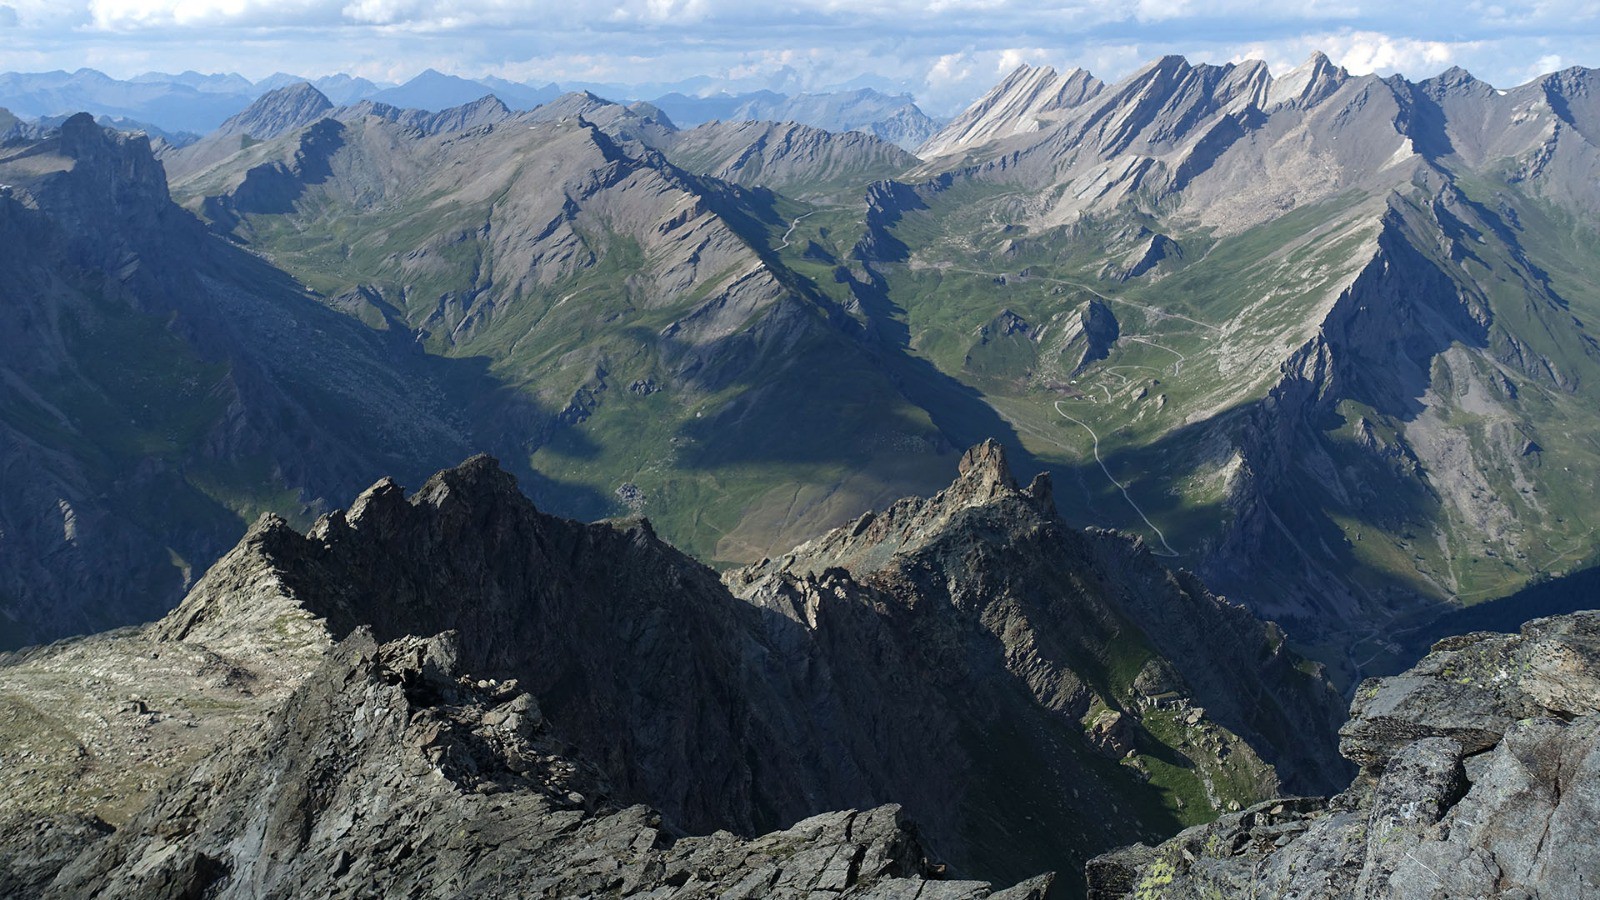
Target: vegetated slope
162, 388
1345, 324
1001, 677
1477, 773
689, 371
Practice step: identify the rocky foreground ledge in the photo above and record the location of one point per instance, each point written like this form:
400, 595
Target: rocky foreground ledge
1480, 777
390, 772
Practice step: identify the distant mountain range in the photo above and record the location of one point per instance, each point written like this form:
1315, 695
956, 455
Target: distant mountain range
896, 119
178, 107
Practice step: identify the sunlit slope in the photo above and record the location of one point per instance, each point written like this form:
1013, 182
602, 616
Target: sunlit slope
685, 372
1326, 345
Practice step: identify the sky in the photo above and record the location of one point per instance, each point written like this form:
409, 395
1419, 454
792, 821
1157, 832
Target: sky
944, 52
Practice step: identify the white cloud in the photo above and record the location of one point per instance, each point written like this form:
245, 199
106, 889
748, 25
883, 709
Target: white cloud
126, 15
951, 68
1366, 52
1012, 57
1158, 10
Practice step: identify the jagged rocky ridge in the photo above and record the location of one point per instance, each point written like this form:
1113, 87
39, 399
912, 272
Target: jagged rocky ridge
1477, 779
1002, 678
390, 772
1020, 103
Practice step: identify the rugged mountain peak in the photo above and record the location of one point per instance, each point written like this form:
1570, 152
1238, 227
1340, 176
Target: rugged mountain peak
278, 112
1475, 763
77, 132
985, 475
477, 487
485, 110
1014, 106
569, 105
651, 113
984, 486
1308, 83
984, 471
1456, 82
1247, 82
1158, 74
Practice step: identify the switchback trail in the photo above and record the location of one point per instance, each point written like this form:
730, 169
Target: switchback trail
792, 226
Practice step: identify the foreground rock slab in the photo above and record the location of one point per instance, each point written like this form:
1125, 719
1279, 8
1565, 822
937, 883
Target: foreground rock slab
391, 773
1479, 778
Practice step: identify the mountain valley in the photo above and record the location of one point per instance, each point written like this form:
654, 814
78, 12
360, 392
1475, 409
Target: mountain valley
1321, 320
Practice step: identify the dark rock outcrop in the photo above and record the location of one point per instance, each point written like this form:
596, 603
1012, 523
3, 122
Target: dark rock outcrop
1478, 767
1091, 334
391, 772
887, 203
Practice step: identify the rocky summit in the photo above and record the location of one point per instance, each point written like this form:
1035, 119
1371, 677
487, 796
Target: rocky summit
457, 687
1477, 779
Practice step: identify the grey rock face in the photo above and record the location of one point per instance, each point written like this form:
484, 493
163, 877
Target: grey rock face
390, 772
34, 848
1478, 769
277, 112
1018, 105
1091, 334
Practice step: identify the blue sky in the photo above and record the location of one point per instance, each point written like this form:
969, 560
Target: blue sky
946, 52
